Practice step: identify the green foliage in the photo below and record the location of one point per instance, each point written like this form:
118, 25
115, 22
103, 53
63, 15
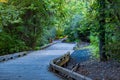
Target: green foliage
24, 25
29, 24
112, 30
94, 46
79, 21
84, 22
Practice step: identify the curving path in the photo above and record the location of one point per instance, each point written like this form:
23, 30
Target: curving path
34, 66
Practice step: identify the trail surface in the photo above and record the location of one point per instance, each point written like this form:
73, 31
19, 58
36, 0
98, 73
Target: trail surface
34, 66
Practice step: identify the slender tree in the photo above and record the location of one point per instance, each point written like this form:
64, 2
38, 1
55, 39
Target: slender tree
102, 6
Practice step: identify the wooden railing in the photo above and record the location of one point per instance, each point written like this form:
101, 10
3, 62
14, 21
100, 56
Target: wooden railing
56, 66
62, 60
12, 56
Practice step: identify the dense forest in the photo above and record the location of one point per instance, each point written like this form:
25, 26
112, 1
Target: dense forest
30, 24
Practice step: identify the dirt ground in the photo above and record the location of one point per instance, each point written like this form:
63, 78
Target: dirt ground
96, 70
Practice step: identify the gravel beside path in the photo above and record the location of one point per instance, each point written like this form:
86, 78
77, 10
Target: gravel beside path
77, 57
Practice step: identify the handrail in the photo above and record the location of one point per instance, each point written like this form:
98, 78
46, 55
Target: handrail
62, 60
55, 65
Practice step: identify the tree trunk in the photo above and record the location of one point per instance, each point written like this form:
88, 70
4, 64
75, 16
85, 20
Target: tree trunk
102, 51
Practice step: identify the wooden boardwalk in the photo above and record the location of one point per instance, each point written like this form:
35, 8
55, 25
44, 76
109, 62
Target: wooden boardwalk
34, 66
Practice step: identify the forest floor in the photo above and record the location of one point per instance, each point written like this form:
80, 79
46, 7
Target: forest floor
97, 70
93, 68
